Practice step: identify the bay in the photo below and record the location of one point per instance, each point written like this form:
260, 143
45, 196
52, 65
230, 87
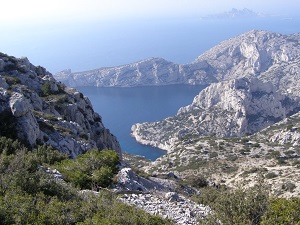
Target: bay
120, 108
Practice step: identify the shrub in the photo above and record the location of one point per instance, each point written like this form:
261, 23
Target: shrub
12, 80
271, 175
91, 170
242, 206
256, 145
46, 89
288, 186
282, 211
198, 182
8, 125
31, 196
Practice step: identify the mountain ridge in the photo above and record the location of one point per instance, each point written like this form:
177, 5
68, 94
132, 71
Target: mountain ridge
261, 54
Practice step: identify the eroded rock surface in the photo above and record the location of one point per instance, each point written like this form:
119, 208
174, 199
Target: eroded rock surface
37, 109
225, 109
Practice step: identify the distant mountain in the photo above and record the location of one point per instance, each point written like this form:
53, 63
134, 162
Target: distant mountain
234, 14
37, 110
268, 56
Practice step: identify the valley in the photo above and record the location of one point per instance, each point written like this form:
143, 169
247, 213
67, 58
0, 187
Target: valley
238, 139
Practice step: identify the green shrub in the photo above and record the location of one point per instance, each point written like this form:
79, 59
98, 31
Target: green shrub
12, 80
198, 182
282, 211
91, 170
28, 195
241, 206
49, 155
46, 88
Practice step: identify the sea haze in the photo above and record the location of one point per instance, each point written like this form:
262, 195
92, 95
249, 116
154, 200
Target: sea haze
85, 46
120, 108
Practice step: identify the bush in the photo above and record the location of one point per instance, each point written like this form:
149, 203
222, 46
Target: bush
12, 80
282, 211
288, 186
242, 206
49, 155
91, 170
271, 175
31, 196
198, 182
46, 89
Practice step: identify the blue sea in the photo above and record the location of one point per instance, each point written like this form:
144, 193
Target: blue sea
120, 108
83, 46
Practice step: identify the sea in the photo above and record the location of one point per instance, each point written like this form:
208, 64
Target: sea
120, 108
82, 47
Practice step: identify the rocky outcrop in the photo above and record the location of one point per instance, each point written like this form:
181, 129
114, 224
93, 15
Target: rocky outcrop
226, 109
285, 132
172, 206
37, 109
259, 54
158, 196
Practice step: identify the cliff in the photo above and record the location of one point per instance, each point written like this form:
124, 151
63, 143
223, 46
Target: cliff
225, 109
268, 56
37, 109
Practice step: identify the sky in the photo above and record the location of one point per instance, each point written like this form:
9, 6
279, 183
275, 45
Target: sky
88, 34
53, 11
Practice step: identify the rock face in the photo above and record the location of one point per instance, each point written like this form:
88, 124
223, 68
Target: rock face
226, 109
37, 109
149, 72
269, 56
285, 132
158, 197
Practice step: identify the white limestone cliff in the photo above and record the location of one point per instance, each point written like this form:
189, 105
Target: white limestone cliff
226, 109
260, 54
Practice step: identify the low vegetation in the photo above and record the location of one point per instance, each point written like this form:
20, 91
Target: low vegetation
29, 195
251, 206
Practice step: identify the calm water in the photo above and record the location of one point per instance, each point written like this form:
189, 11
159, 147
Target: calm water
120, 108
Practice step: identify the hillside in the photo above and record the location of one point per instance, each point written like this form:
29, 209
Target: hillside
233, 151
37, 109
270, 156
269, 56
226, 109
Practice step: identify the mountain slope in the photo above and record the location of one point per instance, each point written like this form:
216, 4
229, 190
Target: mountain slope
226, 109
37, 109
259, 54
153, 71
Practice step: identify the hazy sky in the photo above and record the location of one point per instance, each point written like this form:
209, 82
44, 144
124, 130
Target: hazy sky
37, 11
88, 34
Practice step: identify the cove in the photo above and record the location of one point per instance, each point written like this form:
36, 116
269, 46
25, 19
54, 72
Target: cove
120, 108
